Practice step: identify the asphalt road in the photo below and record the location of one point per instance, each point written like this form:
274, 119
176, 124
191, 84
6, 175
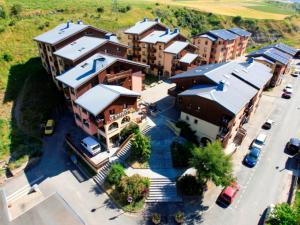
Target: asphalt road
268, 181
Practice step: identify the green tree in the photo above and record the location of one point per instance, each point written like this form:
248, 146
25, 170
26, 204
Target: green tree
283, 214
135, 187
115, 174
16, 10
2, 12
140, 147
212, 164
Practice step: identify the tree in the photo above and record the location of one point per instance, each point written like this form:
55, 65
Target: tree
140, 147
115, 174
135, 187
212, 164
2, 12
100, 9
16, 10
283, 214
237, 19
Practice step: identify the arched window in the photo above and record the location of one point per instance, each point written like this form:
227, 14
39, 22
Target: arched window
204, 141
126, 119
113, 126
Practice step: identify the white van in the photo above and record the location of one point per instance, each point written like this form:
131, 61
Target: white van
259, 141
91, 145
296, 72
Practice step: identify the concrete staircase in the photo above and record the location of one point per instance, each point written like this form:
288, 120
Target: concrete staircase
100, 177
163, 190
146, 130
124, 153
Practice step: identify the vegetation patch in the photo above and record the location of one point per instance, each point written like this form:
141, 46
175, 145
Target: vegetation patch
189, 185
181, 154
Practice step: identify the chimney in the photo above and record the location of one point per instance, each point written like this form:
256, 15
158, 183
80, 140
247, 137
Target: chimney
68, 23
221, 85
95, 63
176, 30
79, 22
145, 19
157, 20
108, 35
250, 60
167, 31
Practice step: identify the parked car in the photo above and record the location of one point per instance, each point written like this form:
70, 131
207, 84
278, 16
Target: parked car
293, 146
267, 213
288, 89
268, 124
252, 157
91, 145
286, 95
296, 72
228, 194
49, 128
259, 141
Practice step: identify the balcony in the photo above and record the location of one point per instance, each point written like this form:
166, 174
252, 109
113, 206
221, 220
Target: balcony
118, 76
172, 91
249, 109
116, 116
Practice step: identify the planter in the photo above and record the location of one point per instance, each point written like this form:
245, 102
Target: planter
156, 218
179, 217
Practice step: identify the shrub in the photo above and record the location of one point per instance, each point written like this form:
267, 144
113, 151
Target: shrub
47, 24
115, 174
283, 214
237, 19
156, 218
135, 186
7, 57
189, 185
12, 23
16, 10
124, 9
181, 153
100, 9
179, 217
2, 29
2, 12
132, 128
140, 147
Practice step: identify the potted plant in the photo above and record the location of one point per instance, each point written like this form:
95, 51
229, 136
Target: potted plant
179, 217
156, 218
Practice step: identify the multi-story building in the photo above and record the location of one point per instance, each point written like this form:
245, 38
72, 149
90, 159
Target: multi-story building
59, 37
217, 99
101, 69
278, 57
104, 110
179, 57
137, 32
153, 46
84, 47
217, 46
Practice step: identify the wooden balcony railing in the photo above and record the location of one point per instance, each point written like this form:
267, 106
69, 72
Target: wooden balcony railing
118, 76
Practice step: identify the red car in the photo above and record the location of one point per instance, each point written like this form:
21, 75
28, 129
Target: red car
228, 194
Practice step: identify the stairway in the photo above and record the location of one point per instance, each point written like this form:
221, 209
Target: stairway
146, 130
163, 190
124, 153
100, 177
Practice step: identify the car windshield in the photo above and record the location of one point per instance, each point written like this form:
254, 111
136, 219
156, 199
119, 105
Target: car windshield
96, 147
226, 198
253, 155
258, 142
48, 128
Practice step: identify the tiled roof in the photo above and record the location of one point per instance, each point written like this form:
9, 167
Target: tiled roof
141, 26
160, 36
285, 48
188, 58
84, 71
61, 32
239, 31
98, 98
176, 47
223, 34
272, 54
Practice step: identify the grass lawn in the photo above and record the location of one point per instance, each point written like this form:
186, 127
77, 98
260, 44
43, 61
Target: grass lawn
297, 202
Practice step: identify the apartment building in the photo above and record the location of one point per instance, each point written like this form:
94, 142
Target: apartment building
104, 111
84, 47
278, 57
216, 100
60, 36
153, 46
101, 69
137, 32
217, 46
179, 57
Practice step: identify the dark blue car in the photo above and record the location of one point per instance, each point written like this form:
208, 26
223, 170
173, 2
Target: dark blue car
252, 157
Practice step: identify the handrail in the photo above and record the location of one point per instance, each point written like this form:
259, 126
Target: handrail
123, 144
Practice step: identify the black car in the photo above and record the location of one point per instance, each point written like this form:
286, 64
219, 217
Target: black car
267, 125
293, 146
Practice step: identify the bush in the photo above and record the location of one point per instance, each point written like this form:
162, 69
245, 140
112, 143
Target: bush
237, 20
2, 29
100, 9
115, 174
135, 186
181, 153
2, 12
16, 10
189, 185
283, 214
140, 147
132, 128
7, 57
12, 23
124, 9
187, 132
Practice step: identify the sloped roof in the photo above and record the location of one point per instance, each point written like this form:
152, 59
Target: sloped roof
273, 54
222, 33
188, 58
84, 71
208, 36
61, 32
160, 36
98, 98
239, 31
176, 47
285, 48
142, 26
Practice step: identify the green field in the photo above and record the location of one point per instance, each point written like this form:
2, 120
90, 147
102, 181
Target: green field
21, 71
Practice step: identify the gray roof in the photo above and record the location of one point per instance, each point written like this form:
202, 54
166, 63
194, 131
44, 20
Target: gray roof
188, 58
272, 54
61, 32
89, 68
285, 48
176, 47
101, 96
208, 36
51, 211
141, 26
160, 36
223, 34
239, 31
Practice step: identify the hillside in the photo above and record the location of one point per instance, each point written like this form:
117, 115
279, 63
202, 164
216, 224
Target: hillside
21, 73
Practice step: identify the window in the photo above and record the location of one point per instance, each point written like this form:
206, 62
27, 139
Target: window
125, 106
77, 117
85, 123
48, 48
195, 121
72, 91
111, 111
50, 58
118, 49
179, 99
160, 48
84, 111
198, 108
206, 42
187, 118
189, 106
